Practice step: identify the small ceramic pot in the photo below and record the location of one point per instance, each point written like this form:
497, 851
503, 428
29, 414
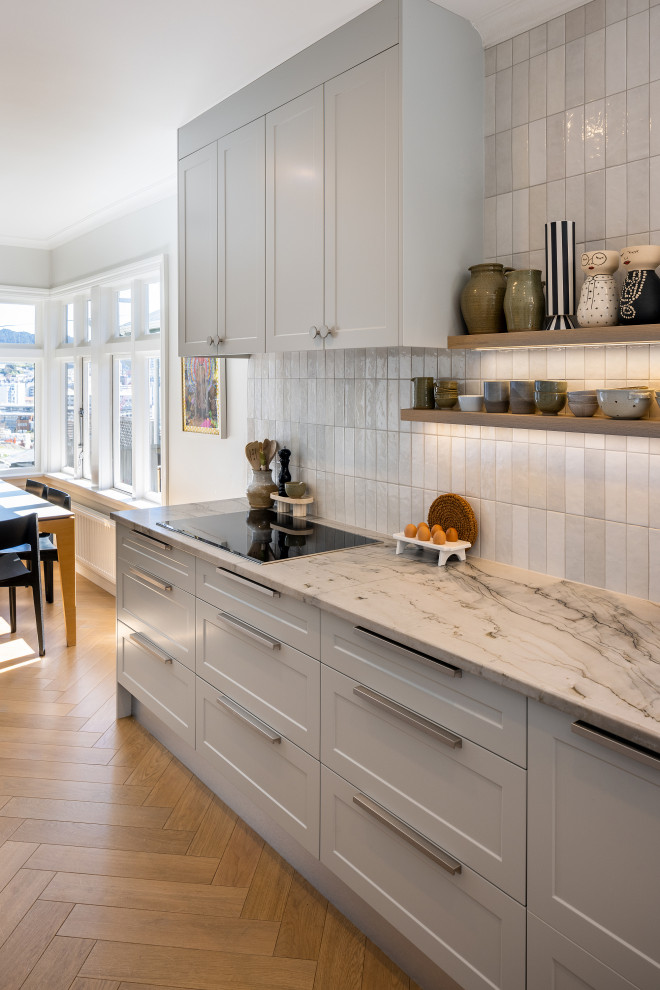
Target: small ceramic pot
295, 489
496, 397
445, 393
549, 403
624, 403
583, 403
260, 488
522, 397
550, 386
471, 403
422, 393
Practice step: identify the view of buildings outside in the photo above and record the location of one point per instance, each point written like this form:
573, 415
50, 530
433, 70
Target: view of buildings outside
17, 326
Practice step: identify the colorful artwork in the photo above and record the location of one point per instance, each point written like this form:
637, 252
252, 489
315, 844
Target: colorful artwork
202, 396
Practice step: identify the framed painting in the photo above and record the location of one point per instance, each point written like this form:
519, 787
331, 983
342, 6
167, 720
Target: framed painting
204, 395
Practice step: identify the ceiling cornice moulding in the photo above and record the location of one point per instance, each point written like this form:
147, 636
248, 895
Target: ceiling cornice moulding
516, 17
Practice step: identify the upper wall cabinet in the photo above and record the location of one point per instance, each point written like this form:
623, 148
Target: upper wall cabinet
372, 168
222, 245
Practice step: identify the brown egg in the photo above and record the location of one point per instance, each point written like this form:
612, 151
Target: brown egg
439, 537
423, 532
410, 530
436, 528
452, 535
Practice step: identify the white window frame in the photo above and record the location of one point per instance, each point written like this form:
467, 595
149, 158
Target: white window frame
105, 345
33, 353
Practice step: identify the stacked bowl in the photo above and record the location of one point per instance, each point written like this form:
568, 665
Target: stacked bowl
550, 396
446, 393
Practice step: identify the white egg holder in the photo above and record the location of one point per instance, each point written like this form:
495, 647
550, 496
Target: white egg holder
444, 550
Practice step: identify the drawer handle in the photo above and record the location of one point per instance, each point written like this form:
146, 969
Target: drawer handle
161, 543
247, 630
610, 741
247, 583
149, 647
150, 579
249, 718
408, 651
412, 718
408, 834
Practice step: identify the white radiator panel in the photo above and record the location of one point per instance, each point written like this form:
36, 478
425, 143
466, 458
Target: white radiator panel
95, 542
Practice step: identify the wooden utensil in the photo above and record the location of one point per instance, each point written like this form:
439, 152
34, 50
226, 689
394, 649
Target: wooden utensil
253, 454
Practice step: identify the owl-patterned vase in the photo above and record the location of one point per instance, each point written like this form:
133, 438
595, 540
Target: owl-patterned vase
599, 299
640, 293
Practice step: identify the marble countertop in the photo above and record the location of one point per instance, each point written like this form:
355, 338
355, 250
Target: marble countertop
592, 653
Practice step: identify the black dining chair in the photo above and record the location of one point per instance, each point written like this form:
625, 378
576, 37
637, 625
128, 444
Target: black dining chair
47, 548
22, 532
35, 487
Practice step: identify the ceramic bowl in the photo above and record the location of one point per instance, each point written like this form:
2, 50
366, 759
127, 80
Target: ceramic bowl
445, 400
583, 403
624, 403
550, 386
471, 403
295, 489
549, 403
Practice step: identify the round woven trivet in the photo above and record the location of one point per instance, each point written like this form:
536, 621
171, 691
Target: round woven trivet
454, 511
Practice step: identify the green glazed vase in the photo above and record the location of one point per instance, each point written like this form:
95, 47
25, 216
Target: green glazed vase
482, 299
524, 300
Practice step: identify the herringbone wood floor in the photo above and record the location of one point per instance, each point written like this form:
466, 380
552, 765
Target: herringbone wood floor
120, 870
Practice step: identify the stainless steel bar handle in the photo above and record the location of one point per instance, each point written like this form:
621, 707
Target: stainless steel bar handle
150, 579
149, 647
249, 718
247, 583
247, 630
161, 543
408, 834
412, 718
408, 651
622, 746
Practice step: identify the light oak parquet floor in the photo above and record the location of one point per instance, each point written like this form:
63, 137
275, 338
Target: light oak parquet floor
120, 870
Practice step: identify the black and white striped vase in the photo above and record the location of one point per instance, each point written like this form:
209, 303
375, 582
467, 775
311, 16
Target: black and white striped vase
560, 275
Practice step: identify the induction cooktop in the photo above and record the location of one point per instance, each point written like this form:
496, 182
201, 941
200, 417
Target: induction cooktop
265, 536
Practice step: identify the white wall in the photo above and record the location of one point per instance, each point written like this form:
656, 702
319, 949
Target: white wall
199, 466
28, 267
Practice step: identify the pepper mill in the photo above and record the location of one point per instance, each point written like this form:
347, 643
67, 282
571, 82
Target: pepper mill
284, 475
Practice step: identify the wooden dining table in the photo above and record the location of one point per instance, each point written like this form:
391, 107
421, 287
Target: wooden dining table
61, 522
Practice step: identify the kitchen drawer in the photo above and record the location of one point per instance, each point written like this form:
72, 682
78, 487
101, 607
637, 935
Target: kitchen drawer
275, 682
556, 963
467, 926
460, 795
157, 557
164, 613
274, 773
286, 619
164, 685
476, 709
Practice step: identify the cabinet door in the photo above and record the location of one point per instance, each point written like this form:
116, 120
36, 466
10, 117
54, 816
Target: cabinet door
241, 240
294, 223
362, 204
556, 963
468, 927
158, 610
198, 251
593, 853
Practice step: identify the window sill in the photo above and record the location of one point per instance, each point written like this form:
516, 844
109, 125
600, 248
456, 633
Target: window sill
104, 500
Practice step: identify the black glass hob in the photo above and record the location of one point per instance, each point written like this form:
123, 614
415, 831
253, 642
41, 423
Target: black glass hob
264, 536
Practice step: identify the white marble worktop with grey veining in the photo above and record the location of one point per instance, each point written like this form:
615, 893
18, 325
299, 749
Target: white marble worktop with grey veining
592, 653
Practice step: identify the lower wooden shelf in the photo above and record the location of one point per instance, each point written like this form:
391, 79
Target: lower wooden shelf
557, 424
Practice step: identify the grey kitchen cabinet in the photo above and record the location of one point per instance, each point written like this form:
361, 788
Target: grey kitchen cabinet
593, 851
556, 963
222, 246
374, 184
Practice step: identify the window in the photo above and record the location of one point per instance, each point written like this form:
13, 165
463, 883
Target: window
110, 382
69, 327
16, 414
18, 322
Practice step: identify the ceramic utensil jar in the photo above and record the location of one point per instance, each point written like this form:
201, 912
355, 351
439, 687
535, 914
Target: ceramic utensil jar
482, 299
423, 397
524, 300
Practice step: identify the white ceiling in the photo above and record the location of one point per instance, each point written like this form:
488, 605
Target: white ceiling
93, 91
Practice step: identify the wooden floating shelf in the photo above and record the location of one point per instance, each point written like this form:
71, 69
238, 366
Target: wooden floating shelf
648, 333
555, 424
